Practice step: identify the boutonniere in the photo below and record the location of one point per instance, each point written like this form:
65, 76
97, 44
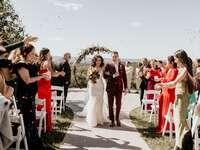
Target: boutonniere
120, 66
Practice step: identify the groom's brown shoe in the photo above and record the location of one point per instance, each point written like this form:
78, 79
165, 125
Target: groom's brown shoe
112, 124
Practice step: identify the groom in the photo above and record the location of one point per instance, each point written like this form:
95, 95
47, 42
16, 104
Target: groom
115, 75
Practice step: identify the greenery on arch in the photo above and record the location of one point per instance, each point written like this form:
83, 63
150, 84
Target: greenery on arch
82, 56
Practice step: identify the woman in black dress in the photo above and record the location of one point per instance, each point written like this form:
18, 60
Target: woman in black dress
26, 90
5, 90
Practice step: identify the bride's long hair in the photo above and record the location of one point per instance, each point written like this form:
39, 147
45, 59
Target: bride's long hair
93, 64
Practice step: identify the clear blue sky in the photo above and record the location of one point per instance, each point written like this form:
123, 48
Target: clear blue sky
136, 28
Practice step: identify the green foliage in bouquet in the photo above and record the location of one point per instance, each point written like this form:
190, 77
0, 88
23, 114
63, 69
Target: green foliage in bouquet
94, 76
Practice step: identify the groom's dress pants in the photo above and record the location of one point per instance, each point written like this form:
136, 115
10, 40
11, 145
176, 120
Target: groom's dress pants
118, 97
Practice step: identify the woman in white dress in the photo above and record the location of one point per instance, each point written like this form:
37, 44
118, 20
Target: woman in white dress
95, 107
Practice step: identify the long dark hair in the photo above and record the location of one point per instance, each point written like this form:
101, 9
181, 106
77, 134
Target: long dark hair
171, 60
93, 64
25, 50
198, 62
187, 62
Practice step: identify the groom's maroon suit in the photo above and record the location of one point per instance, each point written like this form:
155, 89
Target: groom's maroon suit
115, 87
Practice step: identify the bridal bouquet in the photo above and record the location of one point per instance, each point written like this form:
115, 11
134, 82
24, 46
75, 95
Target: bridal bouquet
94, 75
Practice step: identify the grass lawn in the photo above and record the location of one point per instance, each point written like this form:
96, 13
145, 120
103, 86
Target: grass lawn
147, 130
60, 125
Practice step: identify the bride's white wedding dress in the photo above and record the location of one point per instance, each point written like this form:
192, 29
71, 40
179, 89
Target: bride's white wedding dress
96, 108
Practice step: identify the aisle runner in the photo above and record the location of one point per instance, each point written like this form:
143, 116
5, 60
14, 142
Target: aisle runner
81, 137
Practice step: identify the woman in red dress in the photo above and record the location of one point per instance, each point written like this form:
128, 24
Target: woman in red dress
44, 85
152, 77
168, 95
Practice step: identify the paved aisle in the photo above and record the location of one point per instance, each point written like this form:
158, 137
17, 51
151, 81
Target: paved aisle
81, 137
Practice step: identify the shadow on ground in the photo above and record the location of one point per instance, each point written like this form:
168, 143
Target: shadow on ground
60, 125
76, 106
78, 141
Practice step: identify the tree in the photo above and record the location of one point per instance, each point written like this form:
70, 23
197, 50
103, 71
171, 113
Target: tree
11, 28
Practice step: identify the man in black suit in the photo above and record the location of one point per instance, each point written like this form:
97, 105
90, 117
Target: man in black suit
143, 82
63, 81
67, 70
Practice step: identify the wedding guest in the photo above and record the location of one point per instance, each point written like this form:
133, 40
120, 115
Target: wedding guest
67, 70
184, 87
129, 73
197, 76
16, 56
25, 94
198, 66
137, 77
161, 65
5, 90
5, 64
153, 77
141, 74
192, 96
64, 80
168, 94
44, 84
10, 47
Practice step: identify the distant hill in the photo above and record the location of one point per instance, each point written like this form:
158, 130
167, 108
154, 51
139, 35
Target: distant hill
59, 59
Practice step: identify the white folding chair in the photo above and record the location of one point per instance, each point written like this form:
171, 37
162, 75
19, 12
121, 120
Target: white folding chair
58, 101
169, 119
53, 103
21, 134
154, 113
195, 131
195, 128
147, 101
190, 109
41, 115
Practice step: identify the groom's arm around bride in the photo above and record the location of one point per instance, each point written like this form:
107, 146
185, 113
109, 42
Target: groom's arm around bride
115, 80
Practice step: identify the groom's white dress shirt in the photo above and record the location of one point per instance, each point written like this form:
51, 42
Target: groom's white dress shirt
116, 68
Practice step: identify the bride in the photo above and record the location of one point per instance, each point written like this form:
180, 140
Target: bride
95, 107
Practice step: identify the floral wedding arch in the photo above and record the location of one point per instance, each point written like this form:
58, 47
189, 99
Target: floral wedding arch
82, 56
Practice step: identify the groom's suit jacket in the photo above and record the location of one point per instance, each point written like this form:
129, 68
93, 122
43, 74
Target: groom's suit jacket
115, 84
